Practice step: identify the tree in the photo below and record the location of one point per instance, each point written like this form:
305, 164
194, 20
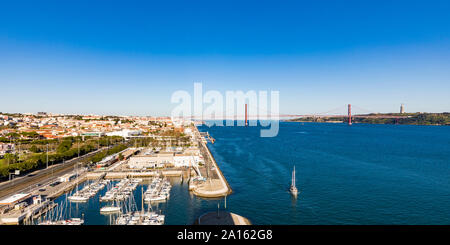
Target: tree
32, 134
34, 149
13, 135
11, 158
64, 146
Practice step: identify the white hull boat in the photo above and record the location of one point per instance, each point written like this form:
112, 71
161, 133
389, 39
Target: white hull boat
78, 198
293, 188
109, 210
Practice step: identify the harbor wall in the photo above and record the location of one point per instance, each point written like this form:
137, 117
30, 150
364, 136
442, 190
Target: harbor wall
220, 191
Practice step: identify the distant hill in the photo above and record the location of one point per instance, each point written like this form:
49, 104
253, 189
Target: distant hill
384, 118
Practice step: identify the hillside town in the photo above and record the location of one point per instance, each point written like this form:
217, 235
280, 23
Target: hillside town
30, 141
52, 126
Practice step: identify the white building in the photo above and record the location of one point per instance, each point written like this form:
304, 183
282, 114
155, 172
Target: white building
125, 133
165, 159
67, 177
184, 160
151, 161
188, 131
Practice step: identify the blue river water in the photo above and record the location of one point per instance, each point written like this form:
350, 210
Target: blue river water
359, 174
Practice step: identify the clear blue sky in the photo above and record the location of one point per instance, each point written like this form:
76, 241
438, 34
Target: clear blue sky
128, 57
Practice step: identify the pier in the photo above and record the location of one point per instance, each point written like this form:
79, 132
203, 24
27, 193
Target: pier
215, 185
52, 192
18, 215
206, 136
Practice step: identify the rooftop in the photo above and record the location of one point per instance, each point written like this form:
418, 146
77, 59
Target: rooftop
14, 198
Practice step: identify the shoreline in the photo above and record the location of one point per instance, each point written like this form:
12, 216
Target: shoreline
335, 122
214, 192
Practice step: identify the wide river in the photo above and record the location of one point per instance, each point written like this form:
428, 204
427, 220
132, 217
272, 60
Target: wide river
359, 174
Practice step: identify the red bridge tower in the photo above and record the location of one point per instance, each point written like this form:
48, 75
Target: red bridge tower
349, 114
246, 118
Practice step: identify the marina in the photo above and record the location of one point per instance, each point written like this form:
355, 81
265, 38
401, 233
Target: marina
88, 191
121, 191
127, 211
142, 217
157, 191
113, 188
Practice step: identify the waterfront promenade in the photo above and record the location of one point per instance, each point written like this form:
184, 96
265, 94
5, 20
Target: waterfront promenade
216, 185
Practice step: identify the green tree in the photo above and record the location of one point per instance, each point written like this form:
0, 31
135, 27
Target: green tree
34, 149
13, 135
10, 158
64, 146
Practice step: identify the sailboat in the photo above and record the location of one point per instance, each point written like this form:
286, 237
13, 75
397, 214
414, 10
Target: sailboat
78, 196
110, 210
293, 188
114, 208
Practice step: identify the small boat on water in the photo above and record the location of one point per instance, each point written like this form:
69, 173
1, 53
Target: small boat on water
293, 188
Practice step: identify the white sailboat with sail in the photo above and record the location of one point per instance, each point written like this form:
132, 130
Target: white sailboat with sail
293, 188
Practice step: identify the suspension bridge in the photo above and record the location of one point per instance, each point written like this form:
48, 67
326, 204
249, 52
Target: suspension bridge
348, 112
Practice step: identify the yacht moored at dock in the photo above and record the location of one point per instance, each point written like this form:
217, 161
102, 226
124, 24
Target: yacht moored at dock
158, 191
110, 210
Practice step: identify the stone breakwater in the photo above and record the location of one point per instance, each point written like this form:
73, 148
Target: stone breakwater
216, 185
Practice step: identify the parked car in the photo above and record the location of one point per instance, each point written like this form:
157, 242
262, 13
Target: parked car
55, 183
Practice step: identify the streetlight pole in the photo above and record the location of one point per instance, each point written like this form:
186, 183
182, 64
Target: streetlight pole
13, 175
